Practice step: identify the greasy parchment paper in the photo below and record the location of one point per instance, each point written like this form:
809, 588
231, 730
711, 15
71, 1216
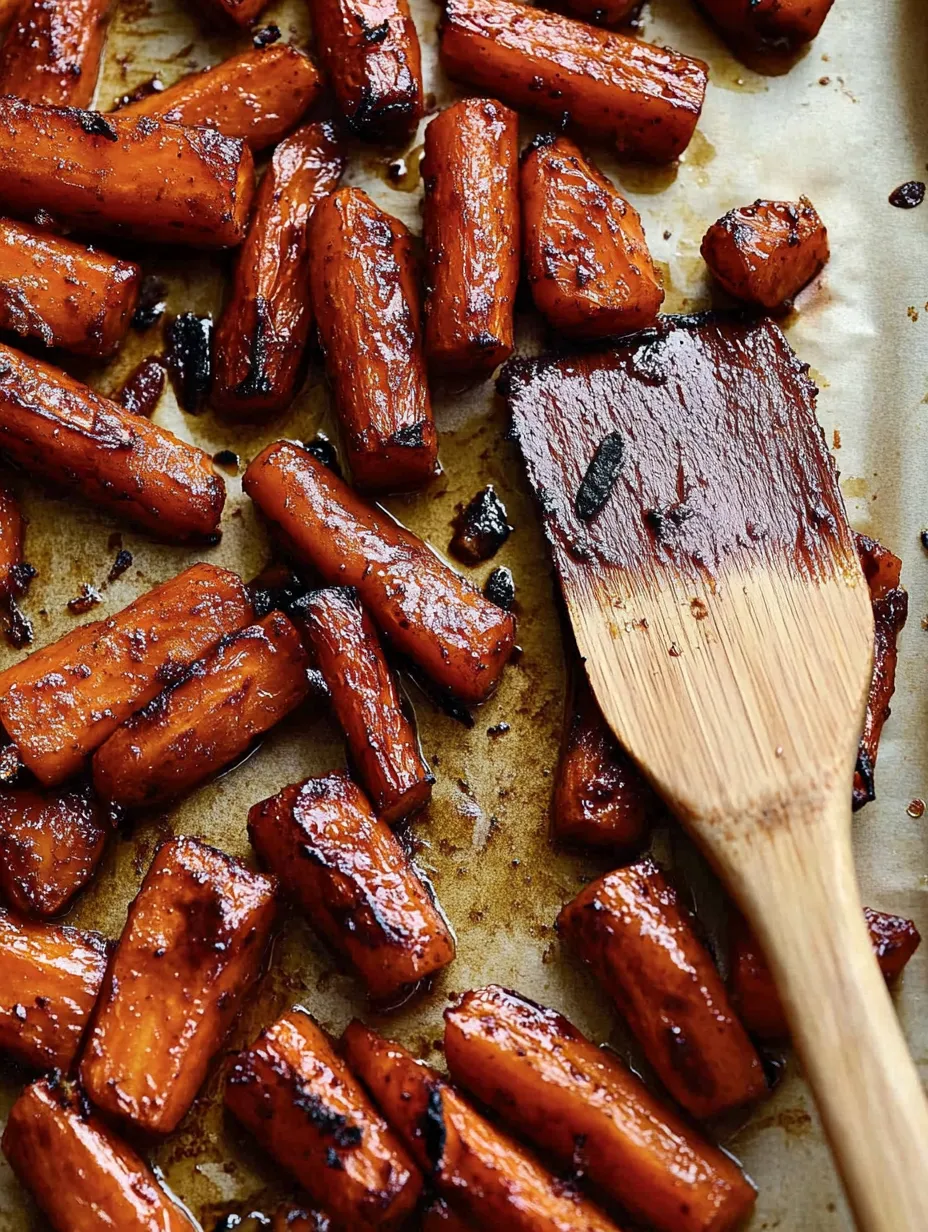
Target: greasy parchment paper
844, 126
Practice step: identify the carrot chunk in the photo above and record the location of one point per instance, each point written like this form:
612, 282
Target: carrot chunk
767, 24
439, 1217
51, 53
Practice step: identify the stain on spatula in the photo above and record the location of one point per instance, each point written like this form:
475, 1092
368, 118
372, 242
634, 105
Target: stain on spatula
711, 579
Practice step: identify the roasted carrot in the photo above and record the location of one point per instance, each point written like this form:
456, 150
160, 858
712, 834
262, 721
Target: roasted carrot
78, 1171
265, 326
64, 700
646, 99
586, 255
602, 12
370, 52
349, 874
428, 611
141, 391
365, 300
192, 946
11, 545
767, 24
488, 1175
259, 95
765, 253
381, 740
53, 426
579, 1103
299, 1219
52, 52
50, 977
50, 846
470, 173
242, 12
754, 993
8, 10
300, 1099
629, 927
125, 176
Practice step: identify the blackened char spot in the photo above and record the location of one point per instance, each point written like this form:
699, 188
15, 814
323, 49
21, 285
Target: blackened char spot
410, 436
907, 196
538, 142
257, 383
189, 359
332, 1124
434, 1134
372, 34
122, 562
152, 302
864, 783
481, 528
500, 588
323, 451
96, 125
265, 36
602, 472
21, 576
19, 631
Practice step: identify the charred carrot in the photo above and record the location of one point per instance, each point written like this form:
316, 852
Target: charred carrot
370, 52
142, 389
427, 610
579, 1103
629, 927
55, 427
249, 682
586, 255
192, 946
64, 700
78, 1171
300, 1099
645, 99
11, 545
138, 177
767, 24
52, 52
471, 232
351, 877
262, 336
62, 293
50, 977
383, 745
258, 96
488, 1175
366, 304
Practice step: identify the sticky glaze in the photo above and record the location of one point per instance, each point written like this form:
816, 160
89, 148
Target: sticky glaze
51, 53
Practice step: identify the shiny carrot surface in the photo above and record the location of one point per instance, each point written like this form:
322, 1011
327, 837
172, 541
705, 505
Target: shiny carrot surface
490, 1177
579, 1103
137, 177
471, 230
763, 24
81, 1175
300, 1099
51, 53
249, 682
643, 98
349, 874
629, 927
261, 339
191, 948
11, 543
602, 12
50, 977
383, 745
428, 611
61, 702
586, 255
259, 95
366, 303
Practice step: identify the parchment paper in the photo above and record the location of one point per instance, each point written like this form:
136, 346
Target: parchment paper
845, 126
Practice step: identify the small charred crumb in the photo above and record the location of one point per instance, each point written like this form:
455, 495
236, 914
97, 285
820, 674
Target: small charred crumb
119, 566
87, 599
19, 630
498, 729
664, 522
410, 436
924, 538
433, 1128
500, 588
190, 359
96, 125
866, 791
11, 763
152, 302
143, 388
154, 85
228, 460
907, 196
774, 1066
21, 576
602, 472
372, 34
323, 451
265, 36
480, 528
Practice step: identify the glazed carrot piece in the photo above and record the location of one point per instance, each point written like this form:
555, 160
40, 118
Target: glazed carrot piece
349, 874
600, 798
50, 977
364, 694
767, 24
439, 1217
579, 1103
754, 993
489, 1176
126, 176
366, 303
8, 10
50, 846
428, 611
53, 426
645, 99
63, 701
300, 1099
11, 545
470, 172
259, 95
242, 12
63, 293
141, 392
602, 12
52, 52
629, 927
81, 1175
765, 253
586, 255
264, 329
370, 52
192, 946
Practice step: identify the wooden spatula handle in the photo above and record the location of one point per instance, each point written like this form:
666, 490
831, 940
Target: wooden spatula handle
797, 884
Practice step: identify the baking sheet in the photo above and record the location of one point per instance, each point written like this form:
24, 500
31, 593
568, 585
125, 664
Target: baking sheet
845, 126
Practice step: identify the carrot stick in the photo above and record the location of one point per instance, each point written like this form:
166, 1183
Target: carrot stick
52, 52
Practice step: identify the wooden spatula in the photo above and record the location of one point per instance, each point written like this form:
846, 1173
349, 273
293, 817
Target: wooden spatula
711, 578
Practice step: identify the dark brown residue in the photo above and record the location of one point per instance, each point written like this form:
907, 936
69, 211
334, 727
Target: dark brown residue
189, 359
907, 196
143, 387
500, 588
119, 566
87, 599
480, 527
